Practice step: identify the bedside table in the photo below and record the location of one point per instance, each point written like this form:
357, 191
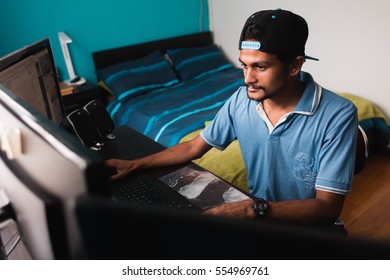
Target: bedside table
82, 96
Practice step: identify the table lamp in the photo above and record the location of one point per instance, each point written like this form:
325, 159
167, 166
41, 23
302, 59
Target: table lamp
73, 78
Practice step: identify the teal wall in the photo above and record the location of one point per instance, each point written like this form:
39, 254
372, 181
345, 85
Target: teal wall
96, 25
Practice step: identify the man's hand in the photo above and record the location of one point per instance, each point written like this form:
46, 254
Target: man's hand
241, 209
122, 167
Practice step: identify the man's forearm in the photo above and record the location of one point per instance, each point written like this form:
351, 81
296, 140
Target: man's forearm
178, 154
325, 208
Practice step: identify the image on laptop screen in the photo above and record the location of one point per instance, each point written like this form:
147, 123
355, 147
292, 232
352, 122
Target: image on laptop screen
31, 74
201, 187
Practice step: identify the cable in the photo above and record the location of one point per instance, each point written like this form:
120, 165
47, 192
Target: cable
201, 16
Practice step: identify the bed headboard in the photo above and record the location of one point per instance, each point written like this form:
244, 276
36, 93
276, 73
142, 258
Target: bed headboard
110, 57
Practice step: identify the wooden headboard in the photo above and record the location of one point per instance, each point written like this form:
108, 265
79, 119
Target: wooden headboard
110, 57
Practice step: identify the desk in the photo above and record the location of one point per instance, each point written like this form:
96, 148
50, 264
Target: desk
145, 232
202, 188
130, 144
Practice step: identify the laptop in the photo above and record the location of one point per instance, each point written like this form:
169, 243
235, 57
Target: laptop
189, 188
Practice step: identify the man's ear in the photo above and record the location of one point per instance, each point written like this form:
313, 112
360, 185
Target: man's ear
296, 65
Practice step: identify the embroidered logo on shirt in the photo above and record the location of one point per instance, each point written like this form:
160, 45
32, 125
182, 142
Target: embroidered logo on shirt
303, 169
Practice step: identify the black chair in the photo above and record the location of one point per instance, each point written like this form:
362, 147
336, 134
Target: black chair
362, 150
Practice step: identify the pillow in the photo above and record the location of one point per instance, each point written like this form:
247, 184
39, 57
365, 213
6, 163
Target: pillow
134, 77
366, 109
193, 62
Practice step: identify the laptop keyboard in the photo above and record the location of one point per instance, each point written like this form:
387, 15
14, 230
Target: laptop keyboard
147, 193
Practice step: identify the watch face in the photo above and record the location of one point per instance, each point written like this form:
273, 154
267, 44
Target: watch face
260, 207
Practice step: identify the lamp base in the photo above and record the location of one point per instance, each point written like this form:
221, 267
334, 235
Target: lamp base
78, 81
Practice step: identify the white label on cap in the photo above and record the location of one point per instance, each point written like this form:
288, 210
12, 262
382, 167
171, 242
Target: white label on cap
250, 45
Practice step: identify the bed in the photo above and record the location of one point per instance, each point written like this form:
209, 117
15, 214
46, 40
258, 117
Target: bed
163, 102
170, 89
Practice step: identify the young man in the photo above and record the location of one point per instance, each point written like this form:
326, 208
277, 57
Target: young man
297, 138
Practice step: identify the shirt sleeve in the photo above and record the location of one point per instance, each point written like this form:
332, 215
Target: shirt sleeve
337, 156
220, 132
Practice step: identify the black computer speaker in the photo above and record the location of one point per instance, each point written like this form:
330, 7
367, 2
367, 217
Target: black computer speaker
101, 118
83, 126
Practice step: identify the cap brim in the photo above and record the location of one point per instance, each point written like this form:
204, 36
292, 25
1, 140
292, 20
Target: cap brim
310, 57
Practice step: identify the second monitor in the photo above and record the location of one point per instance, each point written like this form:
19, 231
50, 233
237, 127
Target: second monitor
31, 74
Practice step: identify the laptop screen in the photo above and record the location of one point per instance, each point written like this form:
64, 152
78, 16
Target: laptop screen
201, 187
31, 74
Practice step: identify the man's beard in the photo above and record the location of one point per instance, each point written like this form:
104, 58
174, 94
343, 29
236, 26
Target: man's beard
265, 96
268, 95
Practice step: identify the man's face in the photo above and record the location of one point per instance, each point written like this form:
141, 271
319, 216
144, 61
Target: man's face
265, 75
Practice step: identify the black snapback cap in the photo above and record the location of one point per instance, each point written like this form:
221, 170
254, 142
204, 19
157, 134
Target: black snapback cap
281, 32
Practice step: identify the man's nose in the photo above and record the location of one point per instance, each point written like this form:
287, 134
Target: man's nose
249, 76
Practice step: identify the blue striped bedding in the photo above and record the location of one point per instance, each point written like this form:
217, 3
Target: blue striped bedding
168, 114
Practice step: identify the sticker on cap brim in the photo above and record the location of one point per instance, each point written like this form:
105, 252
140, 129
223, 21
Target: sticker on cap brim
250, 45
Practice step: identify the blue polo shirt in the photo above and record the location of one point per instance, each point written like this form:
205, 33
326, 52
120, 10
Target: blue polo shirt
311, 148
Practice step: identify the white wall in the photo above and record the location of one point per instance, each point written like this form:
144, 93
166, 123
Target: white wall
351, 38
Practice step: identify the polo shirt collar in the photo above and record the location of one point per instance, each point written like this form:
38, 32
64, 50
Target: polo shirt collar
311, 97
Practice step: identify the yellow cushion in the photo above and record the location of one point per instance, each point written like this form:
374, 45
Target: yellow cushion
366, 109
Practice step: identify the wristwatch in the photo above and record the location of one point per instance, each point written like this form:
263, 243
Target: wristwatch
260, 207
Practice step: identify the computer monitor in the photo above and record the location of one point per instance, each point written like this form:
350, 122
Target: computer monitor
43, 175
31, 74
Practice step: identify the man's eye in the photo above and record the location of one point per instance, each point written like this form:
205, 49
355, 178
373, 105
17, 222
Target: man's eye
261, 67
